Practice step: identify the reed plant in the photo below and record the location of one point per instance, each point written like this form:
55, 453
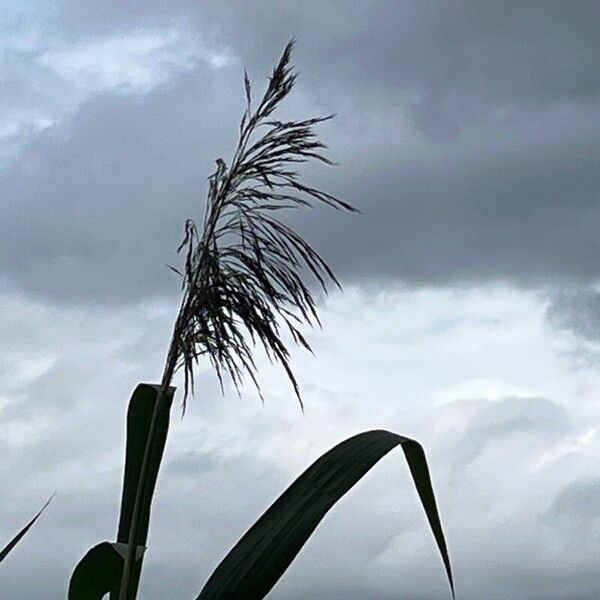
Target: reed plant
245, 284
10, 546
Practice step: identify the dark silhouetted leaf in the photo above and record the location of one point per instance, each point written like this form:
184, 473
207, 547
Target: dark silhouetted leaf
139, 417
263, 554
6, 550
97, 573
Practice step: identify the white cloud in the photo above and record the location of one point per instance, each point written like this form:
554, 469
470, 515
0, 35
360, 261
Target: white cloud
47, 74
383, 359
132, 61
488, 389
468, 172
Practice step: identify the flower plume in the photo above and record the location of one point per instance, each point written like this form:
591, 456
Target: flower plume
243, 274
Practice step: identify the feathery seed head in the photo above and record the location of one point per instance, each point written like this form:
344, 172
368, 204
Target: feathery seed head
243, 275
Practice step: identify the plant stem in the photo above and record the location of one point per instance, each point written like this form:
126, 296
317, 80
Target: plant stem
139, 498
143, 488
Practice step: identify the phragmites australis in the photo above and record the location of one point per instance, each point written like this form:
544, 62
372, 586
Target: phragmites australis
243, 273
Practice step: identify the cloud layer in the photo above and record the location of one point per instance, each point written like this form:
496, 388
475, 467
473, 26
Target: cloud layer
467, 133
510, 428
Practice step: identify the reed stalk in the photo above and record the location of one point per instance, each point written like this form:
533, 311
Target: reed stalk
244, 273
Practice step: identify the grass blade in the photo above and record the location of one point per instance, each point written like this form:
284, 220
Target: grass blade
96, 574
7, 549
263, 554
139, 416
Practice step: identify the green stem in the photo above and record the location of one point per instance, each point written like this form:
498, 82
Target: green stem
141, 494
162, 403
143, 488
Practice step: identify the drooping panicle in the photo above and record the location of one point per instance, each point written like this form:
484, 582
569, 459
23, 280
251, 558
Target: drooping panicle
244, 272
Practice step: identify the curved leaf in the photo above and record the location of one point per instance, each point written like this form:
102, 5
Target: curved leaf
263, 554
139, 416
97, 573
5, 551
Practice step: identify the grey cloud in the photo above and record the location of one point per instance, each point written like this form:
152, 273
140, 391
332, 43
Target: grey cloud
579, 499
462, 61
577, 311
469, 137
193, 463
448, 65
500, 420
230, 458
95, 208
26, 85
487, 52
513, 214
32, 96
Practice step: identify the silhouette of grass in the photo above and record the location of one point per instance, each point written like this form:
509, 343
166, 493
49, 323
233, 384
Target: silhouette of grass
243, 271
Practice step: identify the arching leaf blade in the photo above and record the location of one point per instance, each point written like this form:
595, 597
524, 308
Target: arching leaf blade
139, 416
262, 555
8, 548
417, 463
97, 573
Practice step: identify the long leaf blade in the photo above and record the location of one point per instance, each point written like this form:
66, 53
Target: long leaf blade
7, 549
97, 573
139, 416
262, 555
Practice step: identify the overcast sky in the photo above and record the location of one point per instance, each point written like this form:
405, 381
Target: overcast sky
468, 133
